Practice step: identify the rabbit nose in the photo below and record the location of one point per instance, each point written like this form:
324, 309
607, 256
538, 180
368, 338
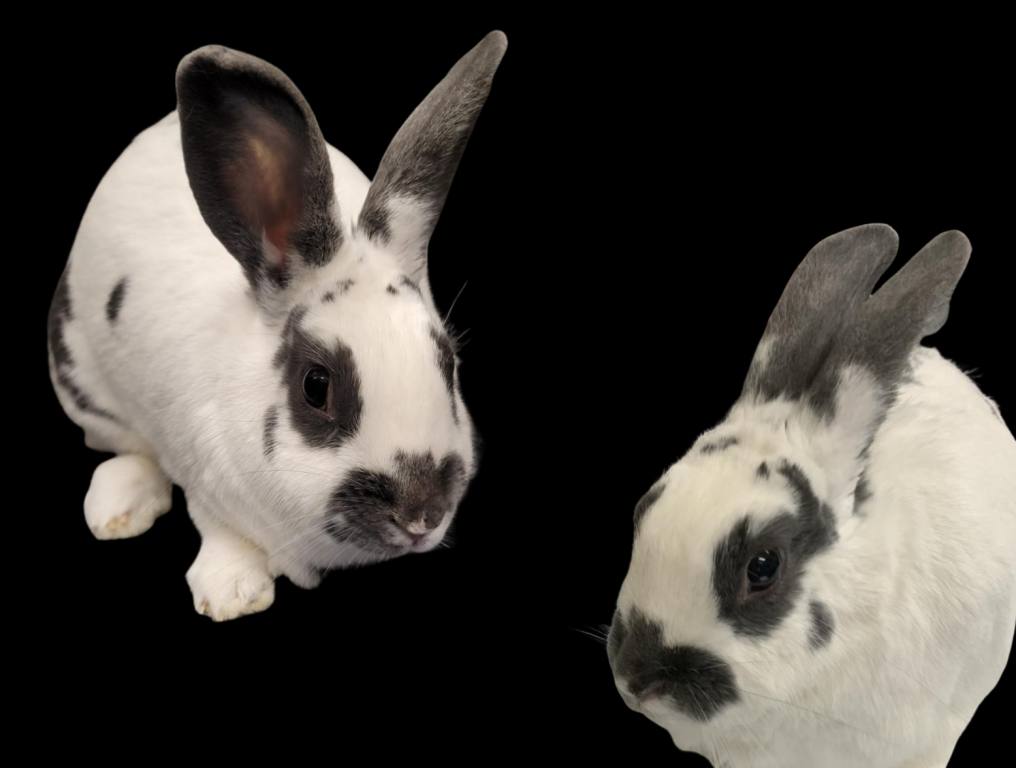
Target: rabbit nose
417, 523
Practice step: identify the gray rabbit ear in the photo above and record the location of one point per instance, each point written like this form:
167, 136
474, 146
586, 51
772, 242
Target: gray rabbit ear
823, 294
912, 304
257, 164
412, 181
843, 352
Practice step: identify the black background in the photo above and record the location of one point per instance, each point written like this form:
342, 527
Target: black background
633, 199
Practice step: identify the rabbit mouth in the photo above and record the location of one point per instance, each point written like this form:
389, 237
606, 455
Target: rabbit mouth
383, 544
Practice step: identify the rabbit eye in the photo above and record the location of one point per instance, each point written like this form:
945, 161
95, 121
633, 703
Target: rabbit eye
763, 569
315, 387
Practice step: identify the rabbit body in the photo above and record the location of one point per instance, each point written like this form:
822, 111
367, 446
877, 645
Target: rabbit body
237, 319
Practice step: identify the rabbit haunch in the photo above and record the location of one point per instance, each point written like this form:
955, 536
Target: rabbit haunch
245, 314
881, 483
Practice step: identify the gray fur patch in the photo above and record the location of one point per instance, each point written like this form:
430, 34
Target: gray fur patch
646, 503
798, 536
408, 282
271, 425
762, 473
861, 494
288, 332
341, 287
60, 314
115, 301
340, 420
719, 445
698, 683
822, 625
371, 502
446, 362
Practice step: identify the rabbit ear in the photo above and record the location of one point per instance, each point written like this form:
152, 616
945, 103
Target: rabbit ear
862, 352
412, 181
257, 164
825, 290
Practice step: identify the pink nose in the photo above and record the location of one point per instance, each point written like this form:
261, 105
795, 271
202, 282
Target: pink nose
417, 527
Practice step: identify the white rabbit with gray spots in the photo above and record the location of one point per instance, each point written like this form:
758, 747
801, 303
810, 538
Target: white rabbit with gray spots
828, 577
246, 315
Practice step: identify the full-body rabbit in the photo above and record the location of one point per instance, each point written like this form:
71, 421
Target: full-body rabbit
244, 314
828, 577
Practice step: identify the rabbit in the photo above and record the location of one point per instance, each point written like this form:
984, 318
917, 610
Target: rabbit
828, 577
244, 314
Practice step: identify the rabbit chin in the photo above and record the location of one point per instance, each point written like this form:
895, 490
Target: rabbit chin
687, 734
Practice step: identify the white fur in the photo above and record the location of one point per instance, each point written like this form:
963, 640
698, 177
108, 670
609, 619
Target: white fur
922, 584
188, 366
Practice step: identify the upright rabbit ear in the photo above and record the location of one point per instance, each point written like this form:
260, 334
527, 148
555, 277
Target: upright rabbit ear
412, 181
257, 164
824, 292
849, 350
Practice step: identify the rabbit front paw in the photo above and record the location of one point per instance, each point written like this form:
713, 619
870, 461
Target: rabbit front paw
126, 495
230, 578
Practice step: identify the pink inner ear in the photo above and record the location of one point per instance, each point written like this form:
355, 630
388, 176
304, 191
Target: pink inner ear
267, 184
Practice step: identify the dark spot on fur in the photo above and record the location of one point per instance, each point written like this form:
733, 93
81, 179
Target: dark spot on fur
60, 313
821, 625
341, 288
798, 536
271, 424
407, 282
376, 222
861, 494
762, 473
446, 362
719, 445
81, 399
646, 502
288, 330
115, 302
341, 418
392, 290
698, 683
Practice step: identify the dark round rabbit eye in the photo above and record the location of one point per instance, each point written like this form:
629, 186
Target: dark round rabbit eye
763, 569
315, 387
